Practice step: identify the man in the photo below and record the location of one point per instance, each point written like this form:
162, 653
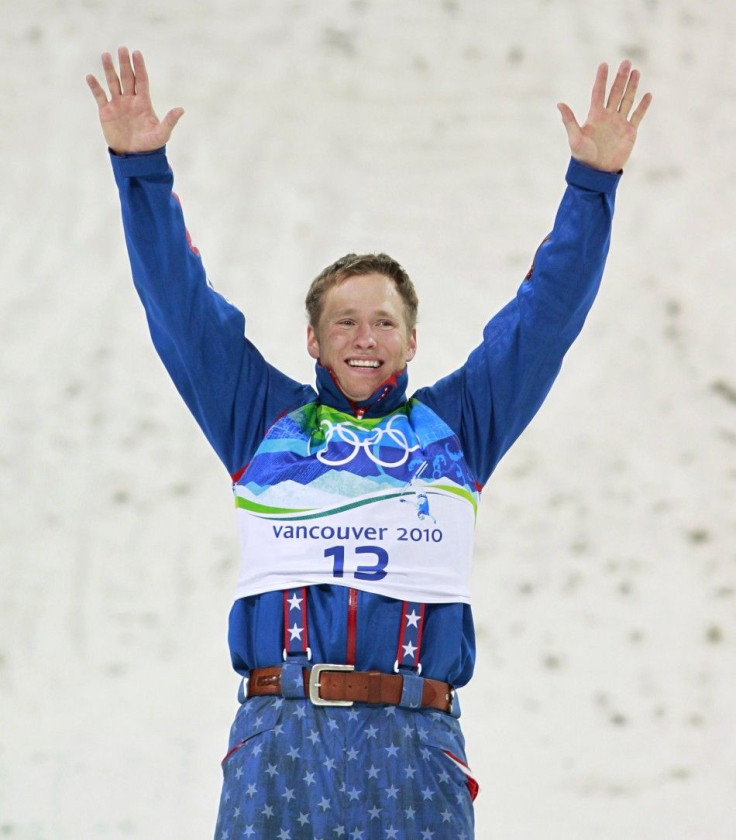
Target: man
351, 624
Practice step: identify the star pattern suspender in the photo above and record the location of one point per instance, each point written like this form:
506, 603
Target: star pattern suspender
410, 637
408, 654
296, 642
297, 653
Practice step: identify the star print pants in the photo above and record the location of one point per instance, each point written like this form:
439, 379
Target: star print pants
295, 771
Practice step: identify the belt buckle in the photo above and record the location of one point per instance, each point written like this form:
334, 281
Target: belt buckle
314, 684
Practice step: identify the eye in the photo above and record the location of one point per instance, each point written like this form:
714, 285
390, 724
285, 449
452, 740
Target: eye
385, 322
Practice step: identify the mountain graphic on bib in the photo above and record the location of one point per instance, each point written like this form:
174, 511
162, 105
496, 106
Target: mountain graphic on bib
316, 456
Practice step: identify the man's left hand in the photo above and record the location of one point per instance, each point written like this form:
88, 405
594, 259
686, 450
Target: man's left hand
607, 137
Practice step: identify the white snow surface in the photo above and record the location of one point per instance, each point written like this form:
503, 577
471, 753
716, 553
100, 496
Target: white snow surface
604, 701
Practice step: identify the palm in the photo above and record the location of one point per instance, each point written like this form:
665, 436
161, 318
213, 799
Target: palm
130, 123
128, 120
604, 143
607, 137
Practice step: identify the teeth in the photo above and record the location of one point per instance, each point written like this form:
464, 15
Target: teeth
368, 363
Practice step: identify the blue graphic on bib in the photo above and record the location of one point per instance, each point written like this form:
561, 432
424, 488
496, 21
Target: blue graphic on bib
337, 454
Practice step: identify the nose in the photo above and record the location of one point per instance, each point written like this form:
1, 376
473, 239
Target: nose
364, 336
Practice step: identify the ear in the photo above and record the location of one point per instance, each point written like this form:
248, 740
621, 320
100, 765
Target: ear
312, 342
411, 348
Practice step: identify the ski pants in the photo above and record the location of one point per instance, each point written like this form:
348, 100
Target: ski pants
296, 771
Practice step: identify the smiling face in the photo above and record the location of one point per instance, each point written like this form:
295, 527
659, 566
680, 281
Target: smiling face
362, 335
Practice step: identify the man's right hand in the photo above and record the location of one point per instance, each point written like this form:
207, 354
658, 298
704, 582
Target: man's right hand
128, 120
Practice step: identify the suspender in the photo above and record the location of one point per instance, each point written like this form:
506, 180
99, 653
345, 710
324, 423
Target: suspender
408, 654
296, 642
410, 638
297, 653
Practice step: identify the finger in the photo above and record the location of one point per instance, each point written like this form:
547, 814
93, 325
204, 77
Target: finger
127, 76
629, 96
619, 85
97, 91
141, 74
113, 82
568, 120
599, 87
171, 119
641, 110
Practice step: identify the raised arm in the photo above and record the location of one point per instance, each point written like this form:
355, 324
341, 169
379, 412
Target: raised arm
606, 138
489, 400
231, 390
128, 120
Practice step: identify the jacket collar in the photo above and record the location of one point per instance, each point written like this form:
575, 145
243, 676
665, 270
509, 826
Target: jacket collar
385, 399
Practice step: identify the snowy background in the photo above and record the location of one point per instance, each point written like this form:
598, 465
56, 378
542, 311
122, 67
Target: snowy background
604, 703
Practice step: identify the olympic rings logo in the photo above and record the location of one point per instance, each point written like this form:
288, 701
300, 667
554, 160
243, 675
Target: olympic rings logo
347, 433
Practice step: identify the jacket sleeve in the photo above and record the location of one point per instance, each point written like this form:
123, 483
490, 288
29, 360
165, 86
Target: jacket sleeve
489, 401
233, 393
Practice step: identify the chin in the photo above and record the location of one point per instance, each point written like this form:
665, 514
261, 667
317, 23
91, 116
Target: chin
362, 390
359, 396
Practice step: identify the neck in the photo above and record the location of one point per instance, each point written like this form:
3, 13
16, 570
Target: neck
388, 396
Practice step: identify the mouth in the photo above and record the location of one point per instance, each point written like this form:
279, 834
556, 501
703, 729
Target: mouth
371, 364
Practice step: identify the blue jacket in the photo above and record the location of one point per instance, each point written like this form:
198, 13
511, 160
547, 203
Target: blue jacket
236, 395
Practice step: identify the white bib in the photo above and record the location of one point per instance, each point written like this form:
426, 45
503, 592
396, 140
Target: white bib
413, 544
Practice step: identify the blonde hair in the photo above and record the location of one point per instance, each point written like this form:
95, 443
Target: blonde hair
354, 265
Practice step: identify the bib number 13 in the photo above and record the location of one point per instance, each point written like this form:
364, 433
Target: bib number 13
373, 572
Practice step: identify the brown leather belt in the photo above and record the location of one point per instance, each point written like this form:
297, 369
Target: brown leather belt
340, 685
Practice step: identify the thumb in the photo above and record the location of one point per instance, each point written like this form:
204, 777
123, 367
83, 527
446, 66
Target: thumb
574, 132
569, 121
172, 118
